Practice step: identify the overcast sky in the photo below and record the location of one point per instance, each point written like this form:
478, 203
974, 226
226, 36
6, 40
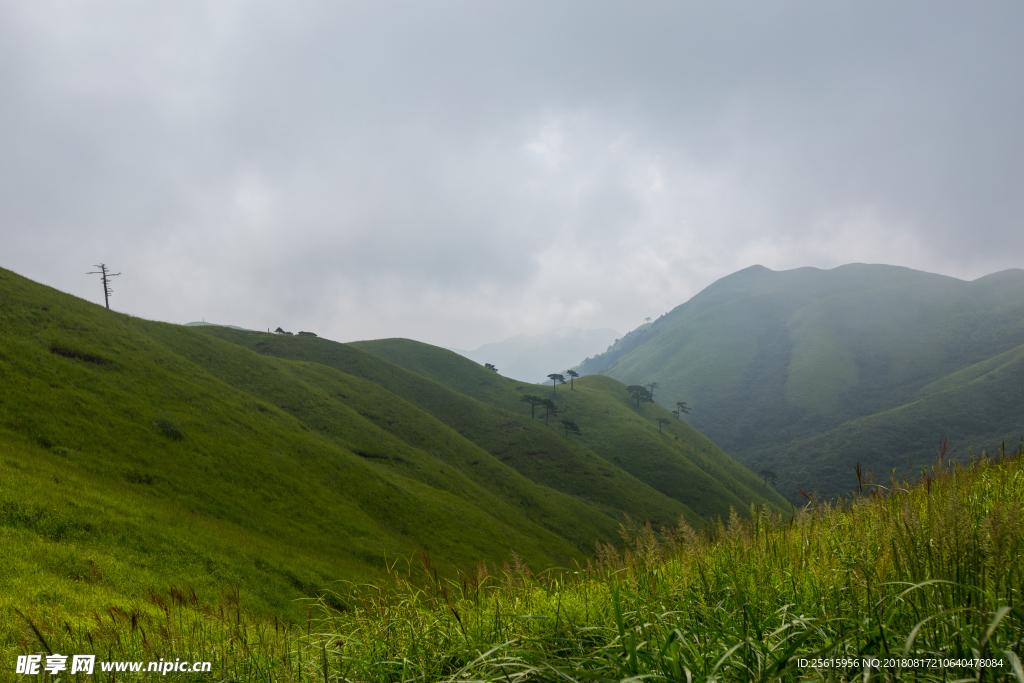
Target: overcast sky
461, 172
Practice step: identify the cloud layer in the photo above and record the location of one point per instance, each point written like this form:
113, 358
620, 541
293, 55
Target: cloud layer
459, 172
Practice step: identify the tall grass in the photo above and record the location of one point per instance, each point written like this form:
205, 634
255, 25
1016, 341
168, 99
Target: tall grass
904, 572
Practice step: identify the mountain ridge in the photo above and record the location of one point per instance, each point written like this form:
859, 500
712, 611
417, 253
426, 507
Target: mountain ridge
770, 361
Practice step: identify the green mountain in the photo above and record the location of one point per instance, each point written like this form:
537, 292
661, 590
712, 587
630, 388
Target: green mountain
138, 455
620, 455
807, 372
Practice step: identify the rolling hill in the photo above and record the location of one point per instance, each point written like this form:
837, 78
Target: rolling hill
807, 372
139, 455
619, 457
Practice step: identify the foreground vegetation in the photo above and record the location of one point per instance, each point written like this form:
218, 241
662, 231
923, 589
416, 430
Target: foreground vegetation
898, 573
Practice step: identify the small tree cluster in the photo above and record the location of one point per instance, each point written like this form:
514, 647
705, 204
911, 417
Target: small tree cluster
549, 406
639, 393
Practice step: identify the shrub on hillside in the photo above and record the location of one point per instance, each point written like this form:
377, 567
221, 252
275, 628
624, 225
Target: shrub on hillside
169, 428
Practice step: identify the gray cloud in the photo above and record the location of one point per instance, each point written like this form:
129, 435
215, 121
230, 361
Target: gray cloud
459, 172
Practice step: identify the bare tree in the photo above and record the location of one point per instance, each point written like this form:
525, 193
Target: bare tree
651, 386
105, 276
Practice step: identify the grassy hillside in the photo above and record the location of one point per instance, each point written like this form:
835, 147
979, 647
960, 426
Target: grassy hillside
463, 427
137, 455
822, 369
674, 459
614, 463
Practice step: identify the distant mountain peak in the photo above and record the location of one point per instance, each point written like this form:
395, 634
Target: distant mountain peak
808, 371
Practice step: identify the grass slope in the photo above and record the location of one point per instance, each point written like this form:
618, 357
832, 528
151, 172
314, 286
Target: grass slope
675, 459
137, 455
538, 451
979, 405
400, 435
780, 368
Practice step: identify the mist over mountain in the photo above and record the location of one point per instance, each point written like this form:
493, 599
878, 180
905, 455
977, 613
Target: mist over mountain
808, 372
533, 358
203, 323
